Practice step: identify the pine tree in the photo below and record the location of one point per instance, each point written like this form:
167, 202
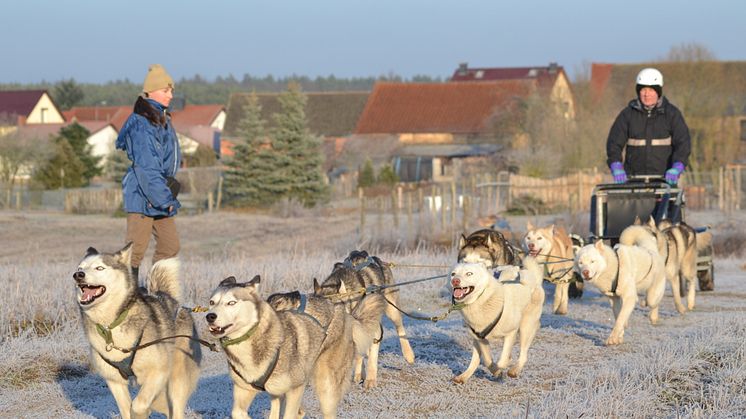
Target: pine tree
248, 179
387, 176
63, 170
116, 165
367, 176
77, 136
299, 161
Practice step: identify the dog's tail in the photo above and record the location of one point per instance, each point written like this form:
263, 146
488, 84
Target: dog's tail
366, 326
639, 236
532, 273
164, 277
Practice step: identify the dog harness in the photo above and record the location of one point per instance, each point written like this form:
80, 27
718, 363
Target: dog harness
124, 367
262, 380
483, 334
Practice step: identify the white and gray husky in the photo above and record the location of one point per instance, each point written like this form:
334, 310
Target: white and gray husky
624, 272
131, 333
492, 308
280, 351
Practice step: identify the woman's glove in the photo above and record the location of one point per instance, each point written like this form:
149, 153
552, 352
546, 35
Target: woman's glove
617, 170
673, 174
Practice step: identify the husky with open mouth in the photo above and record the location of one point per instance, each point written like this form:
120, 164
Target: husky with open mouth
505, 307
119, 319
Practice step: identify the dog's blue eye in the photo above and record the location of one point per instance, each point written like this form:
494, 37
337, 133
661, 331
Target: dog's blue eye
100, 268
231, 303
212, 303
468, 274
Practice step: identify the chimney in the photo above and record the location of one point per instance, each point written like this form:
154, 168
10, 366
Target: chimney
553, 68
463, 68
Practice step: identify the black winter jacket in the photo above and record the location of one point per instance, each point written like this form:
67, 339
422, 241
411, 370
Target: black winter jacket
653, 139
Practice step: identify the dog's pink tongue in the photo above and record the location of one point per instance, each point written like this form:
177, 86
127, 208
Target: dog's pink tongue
458, 292
90, 292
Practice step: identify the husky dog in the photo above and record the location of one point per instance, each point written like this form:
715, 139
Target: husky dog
487, 246
677, 245
681, 264
621, 274
266, 350
119, 318
501, 307
358, 272
346, 336
553, 247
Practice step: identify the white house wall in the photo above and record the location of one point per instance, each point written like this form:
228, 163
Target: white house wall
219, 121
45, 112
103, 143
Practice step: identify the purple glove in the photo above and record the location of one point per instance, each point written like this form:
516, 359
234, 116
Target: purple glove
617, 170
673, 174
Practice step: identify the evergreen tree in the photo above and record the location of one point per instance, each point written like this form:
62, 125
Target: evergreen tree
248, 178
63, 170
203, 156
387, 176
77, 136
67, 94
116, 165
299, 156
367, 176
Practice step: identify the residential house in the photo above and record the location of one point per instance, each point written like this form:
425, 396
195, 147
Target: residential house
428, 127
18, 107
710, 94
194, 124
550, 81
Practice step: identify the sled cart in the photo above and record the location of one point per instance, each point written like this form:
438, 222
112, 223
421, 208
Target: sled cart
614, 207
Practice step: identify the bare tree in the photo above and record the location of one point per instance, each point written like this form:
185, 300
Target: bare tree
17, 157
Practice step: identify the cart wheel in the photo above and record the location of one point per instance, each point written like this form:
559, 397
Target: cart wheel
707, 279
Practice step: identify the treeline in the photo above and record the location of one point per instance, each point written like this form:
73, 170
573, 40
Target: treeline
198, 90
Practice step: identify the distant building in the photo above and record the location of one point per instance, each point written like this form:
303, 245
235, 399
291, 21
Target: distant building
19, 107
550, 81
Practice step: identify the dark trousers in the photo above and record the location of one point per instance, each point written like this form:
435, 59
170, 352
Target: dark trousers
139, 229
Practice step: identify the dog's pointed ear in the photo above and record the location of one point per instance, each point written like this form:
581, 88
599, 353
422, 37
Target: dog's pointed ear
651, 222
489, 240
231, 280
637, 221
342, 288
125, 254
599, 244
91, 251
255, 281
462, 241
553, 229
316, 286
529, 226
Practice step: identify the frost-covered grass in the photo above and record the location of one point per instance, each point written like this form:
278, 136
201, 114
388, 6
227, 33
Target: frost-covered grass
688, 366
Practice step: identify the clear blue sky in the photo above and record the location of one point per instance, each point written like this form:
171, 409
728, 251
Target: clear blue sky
102, 40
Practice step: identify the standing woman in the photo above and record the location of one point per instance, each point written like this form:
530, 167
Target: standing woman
149, 186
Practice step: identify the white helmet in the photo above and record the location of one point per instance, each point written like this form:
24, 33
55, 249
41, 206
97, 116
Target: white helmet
650, 77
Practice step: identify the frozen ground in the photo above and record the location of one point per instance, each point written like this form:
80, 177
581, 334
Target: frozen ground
687, 366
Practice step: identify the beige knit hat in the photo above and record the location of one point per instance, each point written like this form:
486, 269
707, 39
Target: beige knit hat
156, 79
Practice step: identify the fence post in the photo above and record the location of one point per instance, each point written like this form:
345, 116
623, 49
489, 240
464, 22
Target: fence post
442, 208
395, 207
409, 214
220, 193
361, 201
209, 201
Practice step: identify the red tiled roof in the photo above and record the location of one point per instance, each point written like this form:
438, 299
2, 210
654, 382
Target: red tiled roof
600, 75
196, 115
19, 102
115, 115
454, 107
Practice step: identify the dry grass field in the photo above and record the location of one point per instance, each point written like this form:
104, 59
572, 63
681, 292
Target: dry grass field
687, 366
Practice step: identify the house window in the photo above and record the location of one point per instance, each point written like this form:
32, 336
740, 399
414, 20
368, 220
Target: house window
479, 74
44, 115
743, 130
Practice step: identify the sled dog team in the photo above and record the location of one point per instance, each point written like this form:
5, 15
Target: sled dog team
280, 344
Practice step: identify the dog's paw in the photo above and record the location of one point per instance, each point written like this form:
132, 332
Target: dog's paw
458, 379
369, 383
514, 372
494, 369
614, 340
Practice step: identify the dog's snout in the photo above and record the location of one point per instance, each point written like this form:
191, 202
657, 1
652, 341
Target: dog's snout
79, 276
586, 273
531, 246
456, 282
211, 317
